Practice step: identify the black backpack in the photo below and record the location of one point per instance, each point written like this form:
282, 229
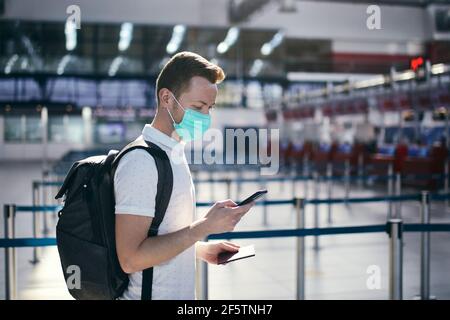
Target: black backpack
85, 232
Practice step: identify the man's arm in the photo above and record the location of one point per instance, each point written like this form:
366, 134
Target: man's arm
136, 251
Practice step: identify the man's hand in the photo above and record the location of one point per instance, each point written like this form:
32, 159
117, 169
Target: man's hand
209, 251
221, 217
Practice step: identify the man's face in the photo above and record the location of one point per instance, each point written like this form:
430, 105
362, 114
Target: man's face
199, 96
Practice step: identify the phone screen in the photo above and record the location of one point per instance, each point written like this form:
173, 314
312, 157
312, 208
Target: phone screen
253, 197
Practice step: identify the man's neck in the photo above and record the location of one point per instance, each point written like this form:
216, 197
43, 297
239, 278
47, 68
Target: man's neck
164, 124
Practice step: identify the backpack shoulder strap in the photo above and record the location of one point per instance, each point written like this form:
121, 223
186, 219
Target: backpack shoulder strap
163, 194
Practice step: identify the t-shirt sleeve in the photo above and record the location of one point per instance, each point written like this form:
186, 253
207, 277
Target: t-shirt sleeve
135, 184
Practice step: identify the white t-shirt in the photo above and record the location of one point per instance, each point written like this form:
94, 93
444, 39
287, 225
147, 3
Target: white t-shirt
135, 184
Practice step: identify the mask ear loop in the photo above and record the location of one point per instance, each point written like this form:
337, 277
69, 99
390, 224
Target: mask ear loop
170, 114
178, 102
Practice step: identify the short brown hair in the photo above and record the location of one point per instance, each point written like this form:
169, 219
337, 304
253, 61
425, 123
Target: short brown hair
183, 66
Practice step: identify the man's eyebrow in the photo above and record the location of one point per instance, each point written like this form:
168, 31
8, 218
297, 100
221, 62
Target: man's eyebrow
205, 102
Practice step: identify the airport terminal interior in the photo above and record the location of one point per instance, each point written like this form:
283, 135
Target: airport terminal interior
339, 108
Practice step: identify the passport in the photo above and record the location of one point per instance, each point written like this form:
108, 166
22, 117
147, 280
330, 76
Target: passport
244, 252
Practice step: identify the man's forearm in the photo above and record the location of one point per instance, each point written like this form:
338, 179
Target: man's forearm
156, 250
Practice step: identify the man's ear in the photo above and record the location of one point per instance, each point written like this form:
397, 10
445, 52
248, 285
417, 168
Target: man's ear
164, 97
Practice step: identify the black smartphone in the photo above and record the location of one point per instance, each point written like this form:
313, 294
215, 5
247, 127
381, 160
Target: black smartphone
253, 197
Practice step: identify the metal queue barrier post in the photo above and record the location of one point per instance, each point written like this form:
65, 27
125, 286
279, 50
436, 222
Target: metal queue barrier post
281, 183
395, 259
360, 169
305, 174
262, 185
36, 214
398, 192
316, 208
347, 179
9, 213
300, 216
204, 279
44, 203
390, 189
446, 172
294, 180
425, 248
329, 189
447, 145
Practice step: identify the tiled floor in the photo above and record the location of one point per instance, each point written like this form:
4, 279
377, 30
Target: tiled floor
338, 270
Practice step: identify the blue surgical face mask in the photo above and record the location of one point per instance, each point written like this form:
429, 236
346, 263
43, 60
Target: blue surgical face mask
193, 125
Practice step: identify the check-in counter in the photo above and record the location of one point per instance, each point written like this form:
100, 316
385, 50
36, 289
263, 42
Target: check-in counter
354, 156
388, 156
423, 165
322, 155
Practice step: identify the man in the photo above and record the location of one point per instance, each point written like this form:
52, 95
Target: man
186, 90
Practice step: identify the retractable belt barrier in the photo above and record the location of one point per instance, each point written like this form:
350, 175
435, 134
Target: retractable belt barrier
258, 234
291, 178
411, 197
